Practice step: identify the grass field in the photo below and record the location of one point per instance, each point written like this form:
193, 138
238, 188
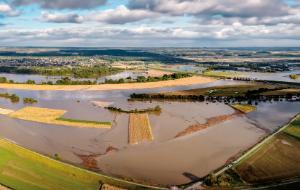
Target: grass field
227, 90
139, 128
225, 74
278, 159
23, 169
245, 108
294, 128
53, 116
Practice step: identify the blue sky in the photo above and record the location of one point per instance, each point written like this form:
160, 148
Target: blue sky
150, 23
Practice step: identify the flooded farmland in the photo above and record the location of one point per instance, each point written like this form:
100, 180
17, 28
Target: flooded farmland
165, 160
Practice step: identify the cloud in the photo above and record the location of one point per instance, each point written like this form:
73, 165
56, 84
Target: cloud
152, 36
61, 18
226, 8
251, 12
61, 4
7, 10
121, 15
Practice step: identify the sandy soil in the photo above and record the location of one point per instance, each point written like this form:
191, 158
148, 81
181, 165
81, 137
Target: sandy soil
5, 111
210, 122
179, 82
157, 73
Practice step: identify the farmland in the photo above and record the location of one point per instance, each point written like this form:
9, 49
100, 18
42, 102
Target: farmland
139, 128
274, 160
277, 160
245, 108
54, 117
294, 128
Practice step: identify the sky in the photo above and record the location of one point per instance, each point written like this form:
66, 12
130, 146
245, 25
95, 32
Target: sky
150, 23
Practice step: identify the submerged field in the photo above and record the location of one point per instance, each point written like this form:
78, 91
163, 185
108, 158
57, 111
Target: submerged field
23, 169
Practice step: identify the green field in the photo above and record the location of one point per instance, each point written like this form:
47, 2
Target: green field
23, 169
294, 128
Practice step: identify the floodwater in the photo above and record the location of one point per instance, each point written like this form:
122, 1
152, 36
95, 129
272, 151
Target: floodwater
279, 76
166, 160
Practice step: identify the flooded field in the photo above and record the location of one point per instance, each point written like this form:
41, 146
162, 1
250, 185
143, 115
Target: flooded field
279, 76
163, 160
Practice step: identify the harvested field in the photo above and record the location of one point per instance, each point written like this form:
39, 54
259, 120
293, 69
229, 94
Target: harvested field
109, 187
54, 117
210, 122
5, 111
139, 128
245, 108
278, 159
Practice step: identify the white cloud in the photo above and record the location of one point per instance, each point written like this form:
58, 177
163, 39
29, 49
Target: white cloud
7, 10
61, 18
121, 15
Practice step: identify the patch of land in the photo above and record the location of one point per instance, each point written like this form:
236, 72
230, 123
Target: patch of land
101, 104
109, 187
245, 108
210, 122
23, 169
294, 128
225, 74
157, 73
139, 128
227, 90
155, 109
102, 87
5, 111
54, 117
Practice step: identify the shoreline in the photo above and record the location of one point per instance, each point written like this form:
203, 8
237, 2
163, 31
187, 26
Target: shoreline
104, 87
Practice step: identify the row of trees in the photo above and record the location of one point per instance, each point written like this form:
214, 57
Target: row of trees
76, 72
15, 98
142, 79
156, 109
250, 99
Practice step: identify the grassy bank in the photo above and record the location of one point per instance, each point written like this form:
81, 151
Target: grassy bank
23, 169
155, 109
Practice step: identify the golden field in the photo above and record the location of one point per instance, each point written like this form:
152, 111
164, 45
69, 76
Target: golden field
102, 87
139, 128
53, 116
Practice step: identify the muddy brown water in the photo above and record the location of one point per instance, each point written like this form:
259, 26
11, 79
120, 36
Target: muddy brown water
166, 160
